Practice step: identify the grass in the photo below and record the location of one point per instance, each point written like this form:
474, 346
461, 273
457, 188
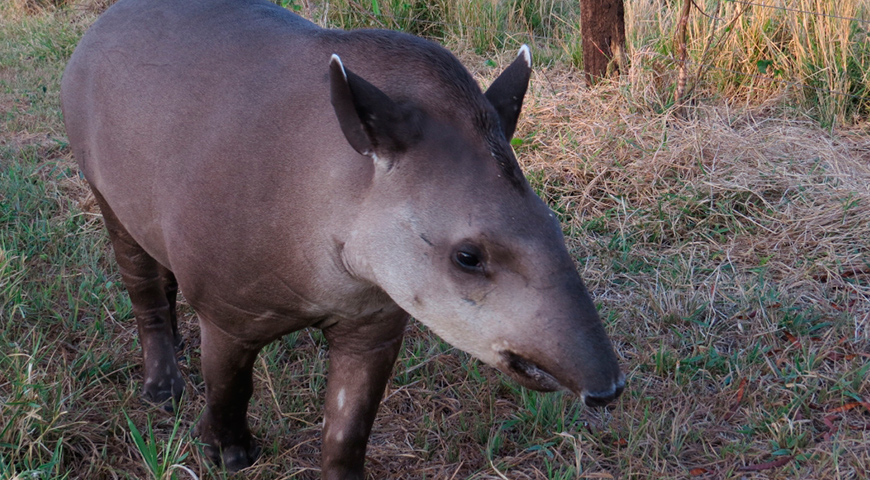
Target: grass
727, 250
755, 49
750, 50
161, 458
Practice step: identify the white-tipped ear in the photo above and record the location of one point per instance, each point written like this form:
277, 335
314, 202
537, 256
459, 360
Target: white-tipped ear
370, 120
336, 59
524, 52
507, 91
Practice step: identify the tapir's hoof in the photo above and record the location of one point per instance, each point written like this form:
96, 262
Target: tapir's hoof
165, 394
234, 449
234, 457
165, 399
237, 458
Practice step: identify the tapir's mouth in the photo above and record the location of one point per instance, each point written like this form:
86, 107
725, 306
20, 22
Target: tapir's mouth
533, 376
528, 373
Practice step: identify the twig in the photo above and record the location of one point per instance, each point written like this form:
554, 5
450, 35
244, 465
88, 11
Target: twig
728, 29
680, 40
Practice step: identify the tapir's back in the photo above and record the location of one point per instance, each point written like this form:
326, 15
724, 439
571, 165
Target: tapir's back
207, 126
173, 106
161, 72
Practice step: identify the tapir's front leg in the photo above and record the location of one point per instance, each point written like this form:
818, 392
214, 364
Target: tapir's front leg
361, 357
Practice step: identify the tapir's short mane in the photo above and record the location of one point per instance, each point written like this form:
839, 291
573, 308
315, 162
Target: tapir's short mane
418, 71
425, 73
507, 162
410, 62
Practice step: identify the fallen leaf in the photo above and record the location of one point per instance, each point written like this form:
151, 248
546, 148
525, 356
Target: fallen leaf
854, 272
596, 475
791, 338
835, 356
847, 407
698, 471
828, 420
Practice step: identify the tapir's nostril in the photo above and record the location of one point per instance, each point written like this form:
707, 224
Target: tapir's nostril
602, 398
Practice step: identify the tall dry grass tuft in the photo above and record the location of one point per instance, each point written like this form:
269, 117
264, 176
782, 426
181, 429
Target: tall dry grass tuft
760, 49
33, 7
815, 51
13, 10
483, 25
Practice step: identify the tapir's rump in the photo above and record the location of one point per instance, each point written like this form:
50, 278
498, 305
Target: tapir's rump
285, 176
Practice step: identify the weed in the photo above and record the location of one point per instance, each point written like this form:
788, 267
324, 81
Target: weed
162, 458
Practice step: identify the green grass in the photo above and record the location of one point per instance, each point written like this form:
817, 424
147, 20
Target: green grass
727, 252
162, 458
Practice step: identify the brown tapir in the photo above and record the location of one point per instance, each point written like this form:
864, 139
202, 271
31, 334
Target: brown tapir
287, 176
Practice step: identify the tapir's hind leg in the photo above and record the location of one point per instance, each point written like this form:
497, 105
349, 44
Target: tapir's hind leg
170, 289
149, 284
227, 368
361, 358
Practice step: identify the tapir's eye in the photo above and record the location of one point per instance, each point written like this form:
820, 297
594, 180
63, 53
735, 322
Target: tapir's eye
468, 258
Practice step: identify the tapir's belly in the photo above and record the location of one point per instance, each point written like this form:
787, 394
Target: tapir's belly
253, 238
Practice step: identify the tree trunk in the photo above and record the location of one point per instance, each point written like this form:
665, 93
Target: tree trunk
602, 23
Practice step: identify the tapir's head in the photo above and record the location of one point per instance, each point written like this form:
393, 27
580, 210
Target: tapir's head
453, 233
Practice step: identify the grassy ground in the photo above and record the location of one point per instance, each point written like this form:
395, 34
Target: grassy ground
728, 249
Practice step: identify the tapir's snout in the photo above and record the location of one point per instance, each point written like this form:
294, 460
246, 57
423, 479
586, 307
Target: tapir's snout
603, 397
568, 350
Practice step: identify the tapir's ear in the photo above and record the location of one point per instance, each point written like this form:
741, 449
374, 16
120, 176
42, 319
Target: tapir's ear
507, 91
370, 120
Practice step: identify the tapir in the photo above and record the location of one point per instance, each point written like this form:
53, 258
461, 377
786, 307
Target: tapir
285, 176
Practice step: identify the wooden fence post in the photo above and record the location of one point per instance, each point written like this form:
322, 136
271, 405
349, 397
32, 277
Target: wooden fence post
602, 23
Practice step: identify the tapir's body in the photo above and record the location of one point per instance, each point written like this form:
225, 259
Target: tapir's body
231, 150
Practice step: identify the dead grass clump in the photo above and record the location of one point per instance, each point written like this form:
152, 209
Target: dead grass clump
760, 189
17, 8
34, 7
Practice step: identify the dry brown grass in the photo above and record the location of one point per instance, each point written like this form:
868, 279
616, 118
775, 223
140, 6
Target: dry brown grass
793, 191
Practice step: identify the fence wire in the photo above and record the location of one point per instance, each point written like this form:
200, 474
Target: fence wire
755, 76
806, 12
